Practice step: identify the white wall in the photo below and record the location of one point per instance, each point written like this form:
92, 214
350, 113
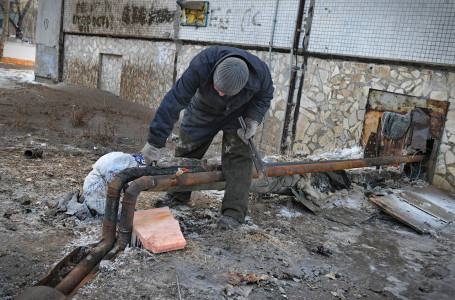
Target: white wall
19, 50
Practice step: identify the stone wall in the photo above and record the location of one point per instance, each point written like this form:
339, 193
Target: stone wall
332, 107
146, 71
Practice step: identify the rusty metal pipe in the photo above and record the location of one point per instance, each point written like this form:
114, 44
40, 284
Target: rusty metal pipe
282, 169
164, 182
109, 230
143, 181
72, 280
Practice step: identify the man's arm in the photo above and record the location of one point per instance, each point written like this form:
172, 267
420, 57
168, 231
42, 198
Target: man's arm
173, 102
261, 102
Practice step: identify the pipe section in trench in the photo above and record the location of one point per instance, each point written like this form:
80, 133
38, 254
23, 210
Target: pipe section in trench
146, 178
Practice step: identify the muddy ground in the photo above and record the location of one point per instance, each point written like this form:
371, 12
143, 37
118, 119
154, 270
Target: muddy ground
289, 252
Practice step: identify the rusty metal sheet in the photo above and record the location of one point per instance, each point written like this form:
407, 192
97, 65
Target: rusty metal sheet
437, 119
387, 101
371, 147
370, 124
423, 209
420, 129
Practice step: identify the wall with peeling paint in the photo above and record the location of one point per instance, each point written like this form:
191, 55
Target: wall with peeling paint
151, 19
238, 22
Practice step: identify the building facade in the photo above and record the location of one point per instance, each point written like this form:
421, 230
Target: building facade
326, 58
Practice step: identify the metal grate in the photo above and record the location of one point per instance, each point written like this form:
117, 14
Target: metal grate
411, 30
246, 23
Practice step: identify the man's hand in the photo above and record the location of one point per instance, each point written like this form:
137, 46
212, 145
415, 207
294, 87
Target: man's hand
251, 127
150, 153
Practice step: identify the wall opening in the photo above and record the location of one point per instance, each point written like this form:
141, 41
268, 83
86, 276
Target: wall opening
397, 124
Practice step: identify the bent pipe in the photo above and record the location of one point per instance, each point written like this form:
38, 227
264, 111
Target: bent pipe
144, 180
110, 223
194, 180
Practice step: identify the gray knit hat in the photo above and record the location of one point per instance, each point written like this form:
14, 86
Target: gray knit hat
231, 75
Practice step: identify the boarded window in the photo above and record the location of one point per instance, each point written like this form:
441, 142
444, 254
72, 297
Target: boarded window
110, 73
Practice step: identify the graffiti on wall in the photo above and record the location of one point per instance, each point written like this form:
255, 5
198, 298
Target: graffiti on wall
133, 14
92, 14
247, 19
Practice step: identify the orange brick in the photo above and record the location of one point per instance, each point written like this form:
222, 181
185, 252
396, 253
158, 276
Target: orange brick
157, 230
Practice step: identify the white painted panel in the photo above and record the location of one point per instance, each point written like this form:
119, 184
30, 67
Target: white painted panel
48, 24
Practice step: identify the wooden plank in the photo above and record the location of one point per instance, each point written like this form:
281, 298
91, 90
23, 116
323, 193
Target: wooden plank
410, 215
420, 200
437, 196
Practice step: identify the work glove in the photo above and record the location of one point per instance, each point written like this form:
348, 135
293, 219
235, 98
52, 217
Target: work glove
150, 153
251, 127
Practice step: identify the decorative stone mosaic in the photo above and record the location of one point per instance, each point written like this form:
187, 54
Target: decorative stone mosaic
147, 67
332, 107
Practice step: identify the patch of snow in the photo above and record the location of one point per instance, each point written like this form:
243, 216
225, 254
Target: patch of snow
345, 153
270, 158
173, 137
218, 195
372, 268
285, 212
9, 77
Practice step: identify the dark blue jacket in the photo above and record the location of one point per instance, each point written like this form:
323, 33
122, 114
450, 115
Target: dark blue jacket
206, 112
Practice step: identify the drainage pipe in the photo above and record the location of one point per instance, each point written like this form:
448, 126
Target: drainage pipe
141, 180
290, 101
305, 43
272, 35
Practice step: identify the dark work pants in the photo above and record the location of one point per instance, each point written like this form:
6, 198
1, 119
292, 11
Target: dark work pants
236, 163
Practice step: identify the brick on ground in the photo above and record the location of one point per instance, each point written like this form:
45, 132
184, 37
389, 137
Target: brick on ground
157, 230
